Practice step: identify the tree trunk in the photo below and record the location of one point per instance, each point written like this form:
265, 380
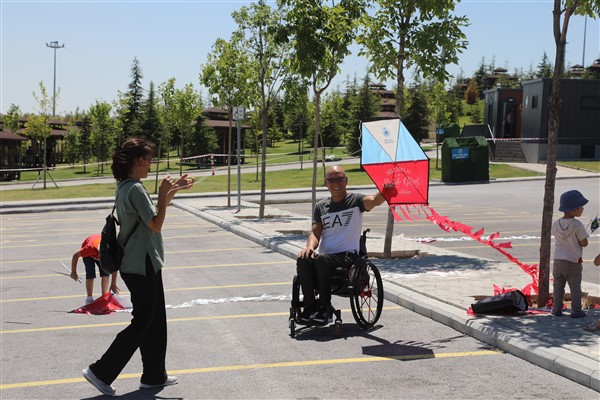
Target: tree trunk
389, 227
316, 146
554, 104
263, 162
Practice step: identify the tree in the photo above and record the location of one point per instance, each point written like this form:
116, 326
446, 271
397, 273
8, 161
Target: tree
258, 25
40, 130
134, 97
472, 97
364, 106
85, 142
71, 152
151, 128
295, 107
562, 12
480, 77
417, 114
403, 33
544, 68
12, 118
321, 36
226, 75
102, 132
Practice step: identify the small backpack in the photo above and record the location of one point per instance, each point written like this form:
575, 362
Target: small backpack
111, 253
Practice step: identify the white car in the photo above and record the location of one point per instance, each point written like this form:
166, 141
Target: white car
331, 157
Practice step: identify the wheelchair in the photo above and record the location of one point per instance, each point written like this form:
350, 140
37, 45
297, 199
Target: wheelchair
361, 283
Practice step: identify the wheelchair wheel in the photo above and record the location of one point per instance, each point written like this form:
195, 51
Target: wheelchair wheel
367, 300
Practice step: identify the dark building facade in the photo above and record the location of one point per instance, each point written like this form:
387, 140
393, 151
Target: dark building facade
522, 114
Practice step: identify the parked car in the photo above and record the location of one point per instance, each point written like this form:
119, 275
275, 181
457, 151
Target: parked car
331, 157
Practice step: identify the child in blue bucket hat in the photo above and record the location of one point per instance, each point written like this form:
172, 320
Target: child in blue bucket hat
570, 238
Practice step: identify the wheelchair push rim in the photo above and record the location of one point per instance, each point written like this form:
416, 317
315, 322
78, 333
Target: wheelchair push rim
367, 300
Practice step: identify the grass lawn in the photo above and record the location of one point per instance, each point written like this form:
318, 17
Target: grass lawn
593, 166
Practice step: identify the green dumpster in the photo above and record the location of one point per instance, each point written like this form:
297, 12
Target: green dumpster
465, 159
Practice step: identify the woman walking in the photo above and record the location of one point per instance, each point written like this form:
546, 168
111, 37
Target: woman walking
143, 260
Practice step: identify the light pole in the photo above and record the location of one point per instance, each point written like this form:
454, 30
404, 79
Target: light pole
54, 45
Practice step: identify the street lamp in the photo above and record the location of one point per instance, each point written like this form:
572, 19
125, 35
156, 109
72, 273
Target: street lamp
54, 45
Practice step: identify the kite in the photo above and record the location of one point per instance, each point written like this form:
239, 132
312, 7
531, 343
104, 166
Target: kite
395, 163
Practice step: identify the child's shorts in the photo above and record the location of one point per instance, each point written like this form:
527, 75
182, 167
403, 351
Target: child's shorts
90, 268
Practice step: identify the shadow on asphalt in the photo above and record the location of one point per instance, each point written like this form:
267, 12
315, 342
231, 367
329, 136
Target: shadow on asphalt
433, 263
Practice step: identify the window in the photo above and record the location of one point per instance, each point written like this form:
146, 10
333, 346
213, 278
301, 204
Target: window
534, 101
590, 102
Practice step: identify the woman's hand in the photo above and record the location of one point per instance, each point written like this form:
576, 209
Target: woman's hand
170, 186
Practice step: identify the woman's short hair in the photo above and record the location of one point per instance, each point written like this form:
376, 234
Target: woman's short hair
125, 155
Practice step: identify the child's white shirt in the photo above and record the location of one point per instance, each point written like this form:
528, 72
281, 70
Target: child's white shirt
568, 232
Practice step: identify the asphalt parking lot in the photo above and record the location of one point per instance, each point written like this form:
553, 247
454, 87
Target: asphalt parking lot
227, 301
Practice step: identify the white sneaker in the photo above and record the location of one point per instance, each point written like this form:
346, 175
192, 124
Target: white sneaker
98, 384
171, 380
88, 300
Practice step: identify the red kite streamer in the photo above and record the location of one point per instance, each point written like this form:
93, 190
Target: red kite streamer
448, 225
107, 304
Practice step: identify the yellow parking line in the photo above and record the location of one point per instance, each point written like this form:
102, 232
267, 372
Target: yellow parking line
187, 319
78, 242
283, 364
244, 264
4, 262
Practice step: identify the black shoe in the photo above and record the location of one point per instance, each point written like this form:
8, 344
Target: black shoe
322, 318
306, 315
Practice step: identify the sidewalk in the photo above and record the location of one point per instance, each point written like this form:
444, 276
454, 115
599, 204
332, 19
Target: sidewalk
433, 282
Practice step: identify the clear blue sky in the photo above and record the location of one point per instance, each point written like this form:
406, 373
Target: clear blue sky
173, 38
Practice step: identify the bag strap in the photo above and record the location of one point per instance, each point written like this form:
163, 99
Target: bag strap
137, 222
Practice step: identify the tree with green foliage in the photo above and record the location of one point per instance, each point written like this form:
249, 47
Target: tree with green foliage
258, 25
134, 102
332, 116
398, 34
12, 118
562, 12
321, 36
40, 129
151, 128
417, 115
186, 109
204, 139
295, 110
71, 145
480, 77
472, 96
364, 106
85, 141
102, 132
544, 68
226, 74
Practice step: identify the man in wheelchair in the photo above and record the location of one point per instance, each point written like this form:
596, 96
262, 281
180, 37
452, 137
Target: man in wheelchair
334, 241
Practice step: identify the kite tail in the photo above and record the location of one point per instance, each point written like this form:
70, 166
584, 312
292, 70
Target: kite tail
447, 225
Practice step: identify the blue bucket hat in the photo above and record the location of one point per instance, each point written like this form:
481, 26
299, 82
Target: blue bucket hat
571, 200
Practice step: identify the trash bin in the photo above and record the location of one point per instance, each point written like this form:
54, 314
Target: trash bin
465, 159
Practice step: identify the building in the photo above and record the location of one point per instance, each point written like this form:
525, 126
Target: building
521, 115
218, 119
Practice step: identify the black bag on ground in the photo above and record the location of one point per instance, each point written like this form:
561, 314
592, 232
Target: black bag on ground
505, 303
111, 253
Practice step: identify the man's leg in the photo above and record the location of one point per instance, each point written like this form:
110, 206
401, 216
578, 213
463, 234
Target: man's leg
305, 269
325, 265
